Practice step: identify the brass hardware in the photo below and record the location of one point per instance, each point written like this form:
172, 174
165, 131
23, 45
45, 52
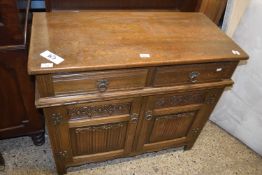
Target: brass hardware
56, 118
149, 115
102, 85
61, 154
193, 76
134, 117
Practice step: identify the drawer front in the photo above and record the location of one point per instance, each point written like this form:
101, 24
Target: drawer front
193, 73
99, 81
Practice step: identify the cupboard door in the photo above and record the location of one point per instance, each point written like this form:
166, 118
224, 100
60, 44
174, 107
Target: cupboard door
94, 131
175, 119
11, 27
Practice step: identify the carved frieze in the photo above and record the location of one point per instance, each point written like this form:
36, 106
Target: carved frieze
99, 111
182, 99
212, 97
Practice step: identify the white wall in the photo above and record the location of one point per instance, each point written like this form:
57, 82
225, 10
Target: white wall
239, 110
234, 12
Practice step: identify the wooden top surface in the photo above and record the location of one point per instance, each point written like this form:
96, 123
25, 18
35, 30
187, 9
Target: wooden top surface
115, 39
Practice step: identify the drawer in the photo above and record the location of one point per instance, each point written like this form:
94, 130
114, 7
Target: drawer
99, 81
193, 73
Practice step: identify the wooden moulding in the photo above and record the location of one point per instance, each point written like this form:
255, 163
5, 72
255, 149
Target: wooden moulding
75, 99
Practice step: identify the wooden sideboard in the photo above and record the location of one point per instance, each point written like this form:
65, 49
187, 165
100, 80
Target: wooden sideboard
106, 100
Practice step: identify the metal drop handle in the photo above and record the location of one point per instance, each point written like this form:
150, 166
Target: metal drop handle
134, 118
149, 115
102, 85
193, 76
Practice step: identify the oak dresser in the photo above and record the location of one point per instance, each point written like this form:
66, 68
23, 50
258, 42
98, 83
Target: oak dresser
131, 82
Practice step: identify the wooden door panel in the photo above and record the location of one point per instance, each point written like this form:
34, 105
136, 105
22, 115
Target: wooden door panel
11, 30
96, 130
103, 127
97, 139
18, 113
171, 126
11, 99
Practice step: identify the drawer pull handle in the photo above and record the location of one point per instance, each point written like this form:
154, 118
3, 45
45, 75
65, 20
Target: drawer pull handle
102, 85
134, 118
149, 115
193, 76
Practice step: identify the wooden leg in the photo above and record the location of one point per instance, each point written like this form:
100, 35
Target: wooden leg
188, 147
38, 139
2, 163
60, 168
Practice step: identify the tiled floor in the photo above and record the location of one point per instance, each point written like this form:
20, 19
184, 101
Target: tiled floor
215, 152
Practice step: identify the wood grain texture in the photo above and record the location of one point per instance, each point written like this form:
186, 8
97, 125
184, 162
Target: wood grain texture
45, 85
213, 9
110, 40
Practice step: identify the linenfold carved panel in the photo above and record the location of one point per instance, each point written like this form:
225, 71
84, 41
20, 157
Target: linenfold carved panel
172, 126
99, 138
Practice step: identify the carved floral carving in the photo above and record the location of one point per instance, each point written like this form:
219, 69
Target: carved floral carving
180, 99
212, 97
101, 110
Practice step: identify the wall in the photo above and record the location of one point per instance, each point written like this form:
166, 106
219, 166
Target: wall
239, 110
234, 12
